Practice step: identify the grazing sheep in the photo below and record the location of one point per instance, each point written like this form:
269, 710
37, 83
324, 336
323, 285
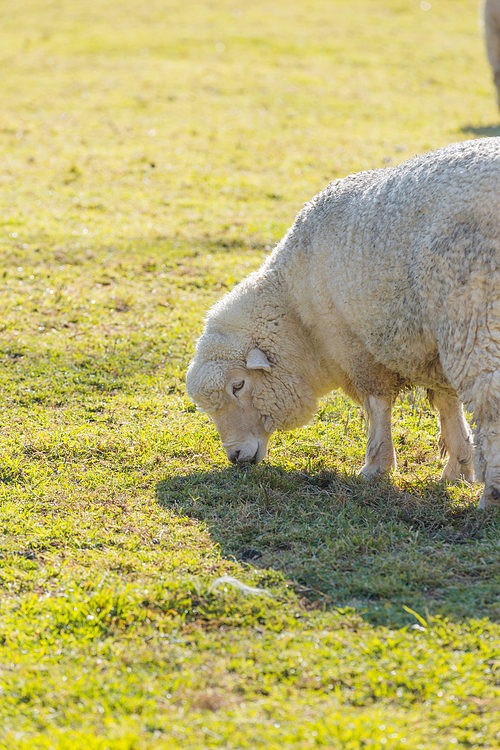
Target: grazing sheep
491, 15
387, 279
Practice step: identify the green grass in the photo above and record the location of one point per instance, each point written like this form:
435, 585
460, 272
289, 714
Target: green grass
143, 171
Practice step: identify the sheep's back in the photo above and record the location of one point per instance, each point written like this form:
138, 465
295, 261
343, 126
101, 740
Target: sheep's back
381, 253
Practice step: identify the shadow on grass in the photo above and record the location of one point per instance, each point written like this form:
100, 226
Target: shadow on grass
341, 541
482, 132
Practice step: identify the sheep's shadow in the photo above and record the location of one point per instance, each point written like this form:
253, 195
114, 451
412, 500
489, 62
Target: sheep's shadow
482, 132
341, 541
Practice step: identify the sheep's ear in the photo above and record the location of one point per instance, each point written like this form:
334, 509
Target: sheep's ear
257, 360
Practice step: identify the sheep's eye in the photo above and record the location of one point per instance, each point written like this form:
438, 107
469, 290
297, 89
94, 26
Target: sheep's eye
238, 387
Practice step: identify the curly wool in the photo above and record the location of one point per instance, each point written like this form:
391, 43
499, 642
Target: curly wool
396, 271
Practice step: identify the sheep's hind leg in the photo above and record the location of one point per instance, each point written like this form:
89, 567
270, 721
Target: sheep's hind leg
455, 438
484, 398
488, 463
380, 454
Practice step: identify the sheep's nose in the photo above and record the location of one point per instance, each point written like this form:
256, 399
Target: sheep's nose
235, 458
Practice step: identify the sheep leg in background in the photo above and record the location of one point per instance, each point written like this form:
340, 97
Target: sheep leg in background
455, 438
380, 454
492, 38
487, 462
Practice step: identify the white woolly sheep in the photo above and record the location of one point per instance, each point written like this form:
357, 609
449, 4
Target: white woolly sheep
491, 17
387, 279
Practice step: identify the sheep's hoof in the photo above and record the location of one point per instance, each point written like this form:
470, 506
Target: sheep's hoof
370, 473
490, 498
455, 472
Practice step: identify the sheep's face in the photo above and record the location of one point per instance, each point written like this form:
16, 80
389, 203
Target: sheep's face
238, 422
225, 391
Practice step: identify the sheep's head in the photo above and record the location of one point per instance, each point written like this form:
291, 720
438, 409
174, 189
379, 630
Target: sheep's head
224, 390
248, 400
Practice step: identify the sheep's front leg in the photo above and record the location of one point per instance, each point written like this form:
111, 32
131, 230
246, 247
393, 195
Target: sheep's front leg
380, 454
455, 438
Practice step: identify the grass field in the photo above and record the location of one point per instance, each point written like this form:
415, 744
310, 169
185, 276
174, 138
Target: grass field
151, 155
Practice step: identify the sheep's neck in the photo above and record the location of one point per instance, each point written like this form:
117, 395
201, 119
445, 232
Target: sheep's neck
321, 375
